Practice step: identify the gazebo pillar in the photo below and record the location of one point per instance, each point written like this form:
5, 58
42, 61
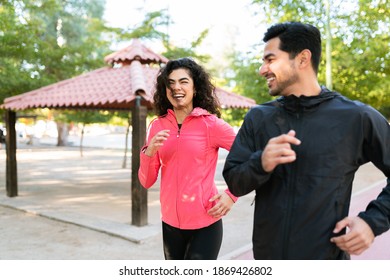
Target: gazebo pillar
139, 195
11, 165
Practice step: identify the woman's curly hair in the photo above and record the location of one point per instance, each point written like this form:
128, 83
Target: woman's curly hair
205, 96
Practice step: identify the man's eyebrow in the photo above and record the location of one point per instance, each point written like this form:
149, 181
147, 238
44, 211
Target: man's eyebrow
268, 56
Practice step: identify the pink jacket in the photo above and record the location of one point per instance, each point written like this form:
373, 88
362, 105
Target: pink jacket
188, 161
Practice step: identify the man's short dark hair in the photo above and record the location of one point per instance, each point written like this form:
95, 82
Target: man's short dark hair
296, 37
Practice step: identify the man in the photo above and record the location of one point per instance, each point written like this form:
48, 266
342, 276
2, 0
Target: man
300, 153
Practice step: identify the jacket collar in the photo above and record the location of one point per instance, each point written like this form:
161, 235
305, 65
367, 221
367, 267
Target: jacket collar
196, 112
293, 103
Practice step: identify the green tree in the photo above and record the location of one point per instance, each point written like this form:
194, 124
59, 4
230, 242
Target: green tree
245, 78
17, 52
362, 57
149, 28
174, 52
360, 43
49, 41
155, 26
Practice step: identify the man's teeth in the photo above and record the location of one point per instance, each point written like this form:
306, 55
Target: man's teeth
270, 79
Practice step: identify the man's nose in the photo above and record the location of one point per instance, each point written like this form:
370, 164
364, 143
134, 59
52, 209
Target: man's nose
263, 69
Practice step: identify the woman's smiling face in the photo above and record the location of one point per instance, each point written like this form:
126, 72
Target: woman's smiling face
180, 92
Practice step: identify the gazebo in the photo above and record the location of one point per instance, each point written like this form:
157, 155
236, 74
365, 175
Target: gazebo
125, 84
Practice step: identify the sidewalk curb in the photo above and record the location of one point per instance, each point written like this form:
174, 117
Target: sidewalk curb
237, 253
125, 231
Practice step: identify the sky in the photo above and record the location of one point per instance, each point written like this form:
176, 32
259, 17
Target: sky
231, 23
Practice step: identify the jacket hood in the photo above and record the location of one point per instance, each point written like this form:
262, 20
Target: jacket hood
293, 103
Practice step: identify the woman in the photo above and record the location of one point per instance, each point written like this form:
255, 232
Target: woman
183, 142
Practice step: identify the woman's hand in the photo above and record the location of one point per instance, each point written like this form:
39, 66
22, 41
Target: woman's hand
157, 142
222, 207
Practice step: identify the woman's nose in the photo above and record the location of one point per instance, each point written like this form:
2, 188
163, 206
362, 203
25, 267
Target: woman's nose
175, 86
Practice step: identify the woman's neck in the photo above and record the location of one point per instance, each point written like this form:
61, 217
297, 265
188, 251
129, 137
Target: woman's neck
181, 114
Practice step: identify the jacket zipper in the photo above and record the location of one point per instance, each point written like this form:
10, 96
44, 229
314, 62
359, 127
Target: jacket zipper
291, 192
177, 179
179, 127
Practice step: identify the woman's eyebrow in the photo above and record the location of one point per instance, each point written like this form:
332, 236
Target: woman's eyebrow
181, 79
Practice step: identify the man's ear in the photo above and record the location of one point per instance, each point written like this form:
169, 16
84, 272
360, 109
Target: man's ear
304, 58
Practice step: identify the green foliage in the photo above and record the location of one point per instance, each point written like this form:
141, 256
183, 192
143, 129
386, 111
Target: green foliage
155, 26
362, 59
360, 47
44, 42
288, 10
234, 117
148, 28
174, 52
87, 116
246, 79
49, 41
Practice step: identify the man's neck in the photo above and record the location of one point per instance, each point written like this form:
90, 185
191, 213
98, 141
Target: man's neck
313, 89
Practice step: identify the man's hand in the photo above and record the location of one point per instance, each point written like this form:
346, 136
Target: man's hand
357, 239
278, 151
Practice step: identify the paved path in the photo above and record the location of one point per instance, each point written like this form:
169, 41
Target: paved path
379, 250
73, 207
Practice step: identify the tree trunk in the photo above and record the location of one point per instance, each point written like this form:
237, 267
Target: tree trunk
63, 133
127, 138
81, 140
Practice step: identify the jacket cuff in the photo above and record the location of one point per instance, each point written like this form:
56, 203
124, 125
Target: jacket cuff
233, 197
142, 153
374, 221
145, 159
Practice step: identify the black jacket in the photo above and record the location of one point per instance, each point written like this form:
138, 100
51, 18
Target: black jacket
298, 204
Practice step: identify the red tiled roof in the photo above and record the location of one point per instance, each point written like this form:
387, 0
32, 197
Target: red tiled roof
136, 51
113, 88
233, 100
104, 88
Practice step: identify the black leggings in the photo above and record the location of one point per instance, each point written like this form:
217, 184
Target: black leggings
192, 244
